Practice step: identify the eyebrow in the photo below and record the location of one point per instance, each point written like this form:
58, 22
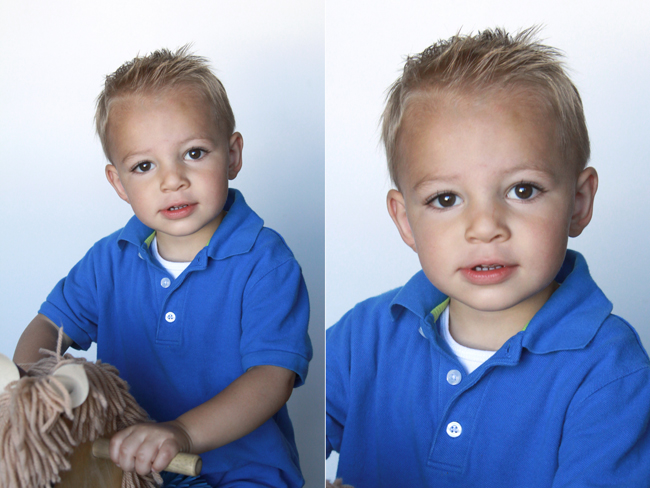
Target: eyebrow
540, 168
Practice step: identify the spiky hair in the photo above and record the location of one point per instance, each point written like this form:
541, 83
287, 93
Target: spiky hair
156, 72
491, 59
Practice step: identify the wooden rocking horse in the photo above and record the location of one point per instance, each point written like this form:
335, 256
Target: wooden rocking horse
55, 423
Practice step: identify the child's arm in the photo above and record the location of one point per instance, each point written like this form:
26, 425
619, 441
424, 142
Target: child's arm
242, 407
40, 333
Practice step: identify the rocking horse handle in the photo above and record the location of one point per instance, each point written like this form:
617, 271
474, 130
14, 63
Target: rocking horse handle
182, 463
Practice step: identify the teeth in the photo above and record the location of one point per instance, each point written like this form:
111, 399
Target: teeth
487, 268
176, 208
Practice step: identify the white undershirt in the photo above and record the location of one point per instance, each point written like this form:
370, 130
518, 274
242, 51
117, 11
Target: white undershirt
468, 357
174, 269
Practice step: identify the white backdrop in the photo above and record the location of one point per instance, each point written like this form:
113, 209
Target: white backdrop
55, 199
606, 49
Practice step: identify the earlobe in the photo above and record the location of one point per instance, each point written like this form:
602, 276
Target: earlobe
586, 187
397, 211
236, 146
114, 179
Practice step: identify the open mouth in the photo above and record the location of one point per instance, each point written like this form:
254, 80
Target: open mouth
487, 267
178, 207
489, 274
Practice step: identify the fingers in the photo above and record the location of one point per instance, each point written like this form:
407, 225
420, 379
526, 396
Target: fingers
144, 448
165, 455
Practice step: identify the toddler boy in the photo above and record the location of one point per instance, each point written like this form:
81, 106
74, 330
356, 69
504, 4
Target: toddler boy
202, 309
500, 363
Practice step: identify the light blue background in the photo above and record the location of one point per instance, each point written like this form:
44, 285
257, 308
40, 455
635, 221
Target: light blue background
55, 199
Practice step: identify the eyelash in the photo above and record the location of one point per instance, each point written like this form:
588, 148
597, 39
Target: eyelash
430, 201
535, 186
138, 165
203, 151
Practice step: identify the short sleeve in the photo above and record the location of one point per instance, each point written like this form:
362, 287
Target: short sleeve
73, 305
275, 319
606, 437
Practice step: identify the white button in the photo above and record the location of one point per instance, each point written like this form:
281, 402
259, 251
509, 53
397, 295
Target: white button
170, 316
165, 282
454, 377
422, 333
140, 256
454, 429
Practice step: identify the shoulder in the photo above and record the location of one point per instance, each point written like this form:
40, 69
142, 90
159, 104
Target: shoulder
243, 237
105, 250
617, 344
271, 246
400, 307
615, 355
363, 324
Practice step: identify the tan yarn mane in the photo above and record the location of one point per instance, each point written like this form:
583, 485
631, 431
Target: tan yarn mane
39, 430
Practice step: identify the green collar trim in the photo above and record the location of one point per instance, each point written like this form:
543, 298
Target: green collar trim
439, 309
149, 239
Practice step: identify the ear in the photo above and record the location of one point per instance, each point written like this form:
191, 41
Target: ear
397, 211
114, 179
236, 146
583, 207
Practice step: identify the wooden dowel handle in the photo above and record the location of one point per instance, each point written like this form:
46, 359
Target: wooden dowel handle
183, 463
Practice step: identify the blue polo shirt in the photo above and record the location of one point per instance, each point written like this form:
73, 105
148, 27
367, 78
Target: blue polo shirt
565, 403
242, 302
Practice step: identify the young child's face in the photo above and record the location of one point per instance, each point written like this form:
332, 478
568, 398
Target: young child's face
171, 163
487, 199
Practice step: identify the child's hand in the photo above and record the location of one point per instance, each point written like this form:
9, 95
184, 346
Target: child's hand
144, 448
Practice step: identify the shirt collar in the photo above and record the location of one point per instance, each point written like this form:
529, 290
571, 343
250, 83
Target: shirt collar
238, 230
573, 314
568, 320
235, 235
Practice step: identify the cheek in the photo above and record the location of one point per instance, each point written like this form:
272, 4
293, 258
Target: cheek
548, 242
215, 187
139, 191
434, 245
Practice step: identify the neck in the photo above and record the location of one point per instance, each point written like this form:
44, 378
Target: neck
183, 249
489, 330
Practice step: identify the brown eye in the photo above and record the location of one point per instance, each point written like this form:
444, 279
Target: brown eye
194, 153
523, 191
445, 200
143, 167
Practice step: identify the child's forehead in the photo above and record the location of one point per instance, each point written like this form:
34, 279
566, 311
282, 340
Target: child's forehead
148, 103
427, 103
437, 120
423, 108
147, 119
152, 97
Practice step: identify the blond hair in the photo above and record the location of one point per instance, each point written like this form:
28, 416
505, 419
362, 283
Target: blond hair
488, 60
158, 71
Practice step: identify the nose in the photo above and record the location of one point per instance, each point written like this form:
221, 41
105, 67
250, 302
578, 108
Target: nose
174, 177
487, 222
